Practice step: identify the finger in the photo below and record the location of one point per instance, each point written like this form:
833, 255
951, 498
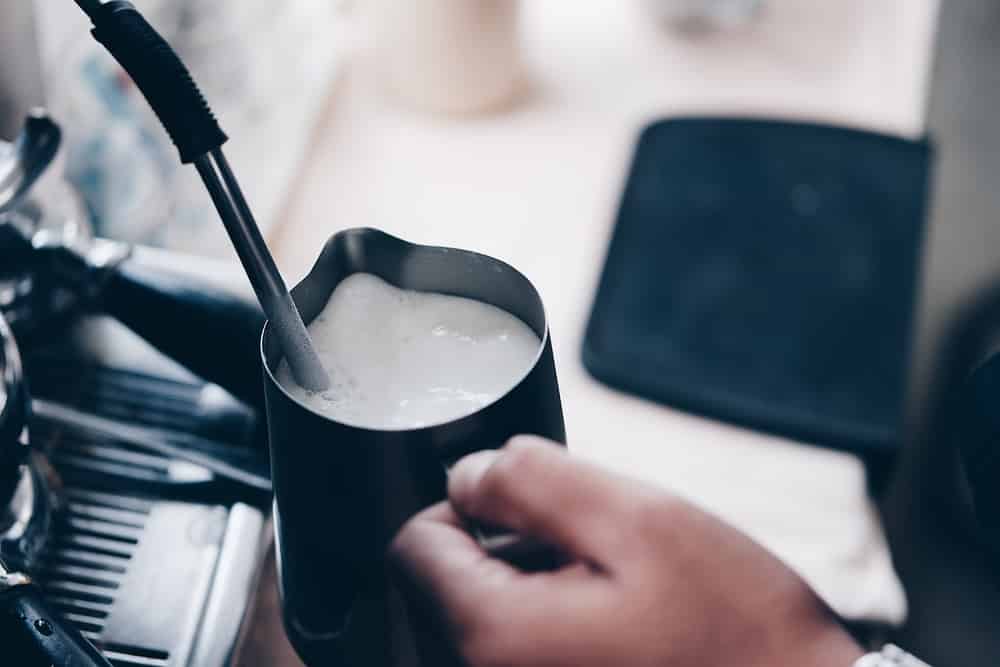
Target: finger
535, 488
443, 564
465, 603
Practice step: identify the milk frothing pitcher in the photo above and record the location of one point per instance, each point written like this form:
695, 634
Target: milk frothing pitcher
342, 492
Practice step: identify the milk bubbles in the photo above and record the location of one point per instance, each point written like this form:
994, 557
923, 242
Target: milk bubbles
400, 359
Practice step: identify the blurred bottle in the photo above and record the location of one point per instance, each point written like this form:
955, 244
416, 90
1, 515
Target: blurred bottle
700, 15
448, 56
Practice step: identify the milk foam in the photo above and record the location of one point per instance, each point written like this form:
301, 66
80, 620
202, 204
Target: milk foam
401, 359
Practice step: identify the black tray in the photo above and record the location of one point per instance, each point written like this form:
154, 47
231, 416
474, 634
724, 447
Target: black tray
764, 273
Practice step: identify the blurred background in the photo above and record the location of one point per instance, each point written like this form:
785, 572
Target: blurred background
118, 156
510, 128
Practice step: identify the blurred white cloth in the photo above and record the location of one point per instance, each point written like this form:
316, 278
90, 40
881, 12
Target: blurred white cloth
539, 187
809, 506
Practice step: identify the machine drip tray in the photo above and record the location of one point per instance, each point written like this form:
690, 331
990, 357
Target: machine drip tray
148, 557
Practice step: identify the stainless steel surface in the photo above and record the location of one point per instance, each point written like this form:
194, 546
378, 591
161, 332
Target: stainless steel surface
162, 596
27, 502
13, 410
17, 514
10, 579
23, 162
174, 445
286, 322
26, 520
183, 405
57, 269
21, 85
156, 582
81, 454
236, 576
44, 224
90, 555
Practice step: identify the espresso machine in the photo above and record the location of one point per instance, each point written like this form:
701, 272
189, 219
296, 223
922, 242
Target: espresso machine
150, 556
134, 494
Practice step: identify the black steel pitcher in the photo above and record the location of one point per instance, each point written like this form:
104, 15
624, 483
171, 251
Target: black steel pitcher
342, 492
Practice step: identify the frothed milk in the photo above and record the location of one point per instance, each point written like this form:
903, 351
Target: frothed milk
401, 359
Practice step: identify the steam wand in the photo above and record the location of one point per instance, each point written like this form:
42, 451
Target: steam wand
168, 87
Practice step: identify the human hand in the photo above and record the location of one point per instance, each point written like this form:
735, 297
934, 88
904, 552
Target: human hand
650, 580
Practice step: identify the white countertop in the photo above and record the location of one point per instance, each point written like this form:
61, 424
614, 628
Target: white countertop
538, 186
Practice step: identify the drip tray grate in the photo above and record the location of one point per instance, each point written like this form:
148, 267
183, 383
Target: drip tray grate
147, 558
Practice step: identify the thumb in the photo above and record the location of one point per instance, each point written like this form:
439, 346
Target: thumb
534, 488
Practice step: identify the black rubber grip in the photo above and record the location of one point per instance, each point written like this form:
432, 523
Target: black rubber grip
211, 331
162, 78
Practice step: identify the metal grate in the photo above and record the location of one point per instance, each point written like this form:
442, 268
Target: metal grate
224, 426
121, 655
126, 507
80, 456
118, 394
203, 417
82, 570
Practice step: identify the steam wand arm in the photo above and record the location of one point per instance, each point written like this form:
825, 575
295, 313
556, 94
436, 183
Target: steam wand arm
171, 92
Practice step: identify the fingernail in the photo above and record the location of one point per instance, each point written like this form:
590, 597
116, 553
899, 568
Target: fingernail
464, 476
